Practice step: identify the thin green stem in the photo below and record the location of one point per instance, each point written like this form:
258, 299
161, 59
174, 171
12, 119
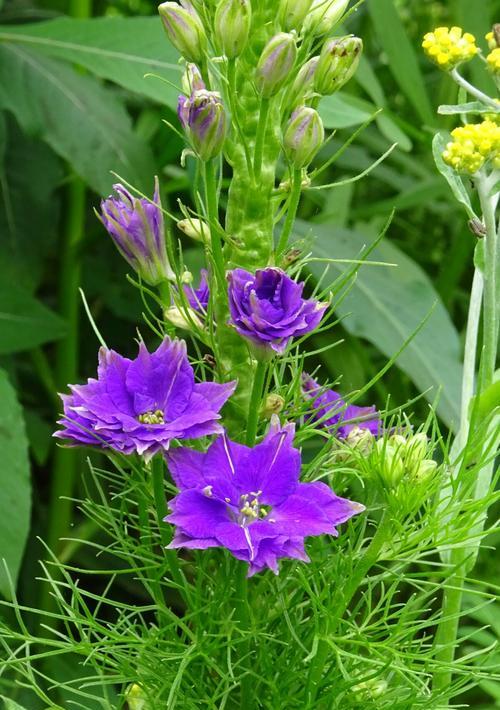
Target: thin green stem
242, 611
261, 138
255, 402
291, 213
479, 95
213, 218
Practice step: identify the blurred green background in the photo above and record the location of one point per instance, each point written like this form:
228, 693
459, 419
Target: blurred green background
75, 105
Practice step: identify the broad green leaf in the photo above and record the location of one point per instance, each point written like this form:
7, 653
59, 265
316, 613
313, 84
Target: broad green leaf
339, 111
25, 323
387, 304
403, 60
453, 179
81, 120
469, 107
15, 489
116, 48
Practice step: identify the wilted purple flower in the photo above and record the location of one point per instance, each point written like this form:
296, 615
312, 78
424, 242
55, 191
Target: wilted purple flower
141, 405
136, 227
251, 501
198, 297
332, 411
203, 117
267, 307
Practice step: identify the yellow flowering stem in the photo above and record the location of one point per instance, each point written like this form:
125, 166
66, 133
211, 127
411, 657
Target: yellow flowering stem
473, 91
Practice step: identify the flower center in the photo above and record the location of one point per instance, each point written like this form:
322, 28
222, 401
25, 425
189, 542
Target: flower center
250, 508
156, 417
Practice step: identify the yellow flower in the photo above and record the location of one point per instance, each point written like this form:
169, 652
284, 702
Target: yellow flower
448, 47
491, 39
473, 145
493, 60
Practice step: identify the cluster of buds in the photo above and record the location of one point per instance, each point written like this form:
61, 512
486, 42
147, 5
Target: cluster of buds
449, 47
474, 146
401, 459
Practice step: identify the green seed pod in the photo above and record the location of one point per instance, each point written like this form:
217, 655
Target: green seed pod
304, 136
303, 84
275, 64
185, 30
232, 26
337, 64
324, 15
292, 13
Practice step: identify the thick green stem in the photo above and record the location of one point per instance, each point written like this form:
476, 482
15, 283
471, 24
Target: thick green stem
291, 214
242, 611
261, 138
255, 402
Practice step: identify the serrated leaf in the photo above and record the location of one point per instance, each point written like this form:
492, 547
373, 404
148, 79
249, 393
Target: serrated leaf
25, 322
51, 100
453, 179
15, 487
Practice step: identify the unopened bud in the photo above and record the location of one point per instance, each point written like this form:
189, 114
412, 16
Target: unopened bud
337, 64
371, 689
391, 464
361, 439
493, 37
303, 85
273, 405
194, 228
324, 15
135, 698
186, 277
182, 318
192, 79
292, 13
425, 471
185, 30
417, 447
204, 118
304, 136
275, 64
233, 19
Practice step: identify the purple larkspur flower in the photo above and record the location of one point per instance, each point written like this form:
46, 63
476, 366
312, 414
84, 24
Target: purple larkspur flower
204, 119
332, 411
198, 297
141, 405
267, 307
136, 227
251, 501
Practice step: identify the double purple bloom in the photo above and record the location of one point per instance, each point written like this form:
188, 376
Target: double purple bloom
267, 308
141, 405
251, 500
333, 412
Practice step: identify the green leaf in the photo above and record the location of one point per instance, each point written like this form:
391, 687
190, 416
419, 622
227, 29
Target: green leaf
11, 705
25, 323
15, 487
120, 49
387, 304
453, 179
469, 107
403, 61
340, 111
51, 100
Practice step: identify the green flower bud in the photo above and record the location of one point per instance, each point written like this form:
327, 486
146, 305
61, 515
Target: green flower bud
338, 62
324, 15
135, 698
232, 26
391, 464
185, 30
292, 13
425, 471
273, 405
194, 228
304, 136
303, 85
275, 64
417, 446
184, 318
192, 79
360, 439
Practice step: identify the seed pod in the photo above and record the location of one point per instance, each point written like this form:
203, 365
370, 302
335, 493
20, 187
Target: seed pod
275, 64
337, 64
324, 15
292, 13
185, 30
233, 19
304, 136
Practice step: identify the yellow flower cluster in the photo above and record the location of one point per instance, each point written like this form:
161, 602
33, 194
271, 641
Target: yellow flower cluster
491, 39
473, 145
493, 60
448, 47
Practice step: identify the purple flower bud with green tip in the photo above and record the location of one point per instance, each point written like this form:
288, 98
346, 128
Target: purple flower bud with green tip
303, 85
267, 308
192, 79
304, 136
292, 13
324, 15
275, 64
233, 19
185, 30
337, 64
136, 227
203, 117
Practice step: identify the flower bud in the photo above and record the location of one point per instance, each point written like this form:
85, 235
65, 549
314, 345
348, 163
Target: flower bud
185, 30
192, 79
304, 136
338, 62
360, 439
292, 13
324, 15
425, 471
273, 405
303, 84
275, 64
232, 26
493, 37
391, 464
194, 228
417, 447
135, 698
182, 318
204, 119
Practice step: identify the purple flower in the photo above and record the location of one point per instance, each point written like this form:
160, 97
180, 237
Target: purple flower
198, 297
141, 405
251, 500
268, 307
136, 227
332, 411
